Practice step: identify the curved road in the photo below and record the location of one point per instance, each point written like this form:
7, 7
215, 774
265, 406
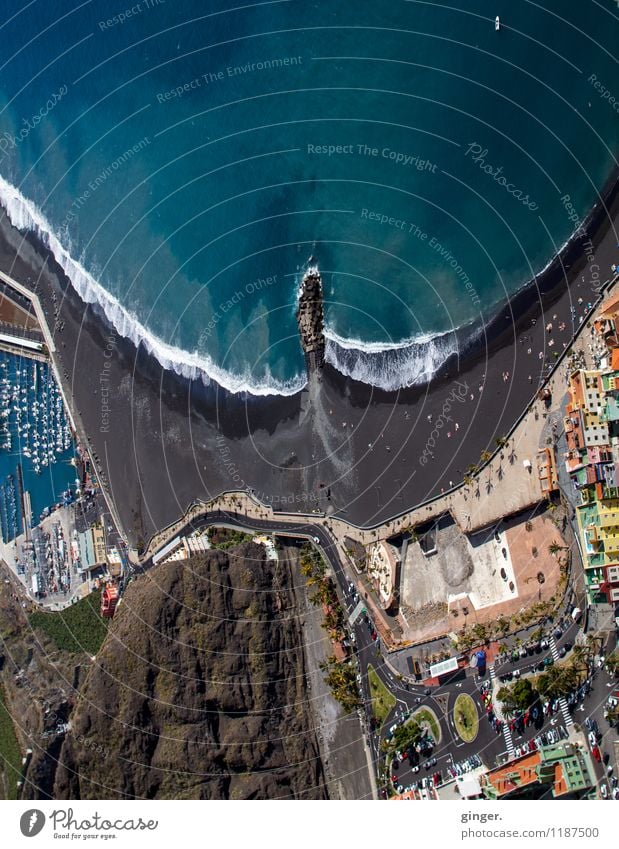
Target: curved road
409, 696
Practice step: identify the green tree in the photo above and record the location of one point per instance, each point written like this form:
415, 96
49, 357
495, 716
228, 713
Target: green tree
480, 631
342, 681
557, 681
520, 696
405, 736
612, 662
580, 658
503, 624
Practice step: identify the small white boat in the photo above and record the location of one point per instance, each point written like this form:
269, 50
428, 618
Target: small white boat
497, 23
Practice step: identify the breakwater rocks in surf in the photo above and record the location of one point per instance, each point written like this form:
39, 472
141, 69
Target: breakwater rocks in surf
310, 317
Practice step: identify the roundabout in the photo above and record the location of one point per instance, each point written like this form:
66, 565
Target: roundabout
465, 718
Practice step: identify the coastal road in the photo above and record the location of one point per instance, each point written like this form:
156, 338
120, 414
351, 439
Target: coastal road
411, 696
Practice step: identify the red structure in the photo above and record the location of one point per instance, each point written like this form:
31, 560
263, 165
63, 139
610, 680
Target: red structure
109, 600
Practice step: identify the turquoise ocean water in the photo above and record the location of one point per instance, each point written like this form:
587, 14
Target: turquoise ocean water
187, 161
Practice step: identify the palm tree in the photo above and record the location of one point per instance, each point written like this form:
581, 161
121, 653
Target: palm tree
580, 657
501, 442
503, 624
554, 547
558, 681
480, 631
612, 717
485, 456
612, 662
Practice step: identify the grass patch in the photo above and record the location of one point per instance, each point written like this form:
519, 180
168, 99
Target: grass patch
10, 755
79, 628
225, 538
466, 718
383, 701
426, 717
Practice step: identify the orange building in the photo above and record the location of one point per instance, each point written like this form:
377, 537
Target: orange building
563, 770
109, 600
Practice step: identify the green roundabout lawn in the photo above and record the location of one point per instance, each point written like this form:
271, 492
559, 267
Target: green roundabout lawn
466, 718
427, 718
382, 700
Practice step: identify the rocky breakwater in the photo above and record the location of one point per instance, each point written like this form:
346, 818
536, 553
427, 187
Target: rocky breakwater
310, 317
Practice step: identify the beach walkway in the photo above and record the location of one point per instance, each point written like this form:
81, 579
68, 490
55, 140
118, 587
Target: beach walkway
509, 483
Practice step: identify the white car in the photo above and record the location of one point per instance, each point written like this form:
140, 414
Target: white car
592, 739
604, 791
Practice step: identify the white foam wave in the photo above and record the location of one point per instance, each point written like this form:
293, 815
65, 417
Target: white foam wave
352, 344
24, 215
386, 365
392, 368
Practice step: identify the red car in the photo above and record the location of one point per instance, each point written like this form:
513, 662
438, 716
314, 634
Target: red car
595, 751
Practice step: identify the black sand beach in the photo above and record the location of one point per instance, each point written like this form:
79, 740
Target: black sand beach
339, 446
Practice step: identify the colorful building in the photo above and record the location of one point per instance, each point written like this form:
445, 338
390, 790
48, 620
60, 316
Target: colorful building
592, 434
563, 770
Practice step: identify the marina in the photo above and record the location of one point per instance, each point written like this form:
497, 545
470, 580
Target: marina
37, 468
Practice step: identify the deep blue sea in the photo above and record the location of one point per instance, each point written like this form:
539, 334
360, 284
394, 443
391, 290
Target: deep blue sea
186, 161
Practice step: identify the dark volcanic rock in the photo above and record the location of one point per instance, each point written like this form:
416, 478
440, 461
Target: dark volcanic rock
199, 689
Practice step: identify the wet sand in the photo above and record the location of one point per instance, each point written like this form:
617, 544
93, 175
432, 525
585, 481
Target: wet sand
338, 446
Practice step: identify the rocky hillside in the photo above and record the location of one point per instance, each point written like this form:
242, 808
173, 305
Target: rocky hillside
39, 683
199, 689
